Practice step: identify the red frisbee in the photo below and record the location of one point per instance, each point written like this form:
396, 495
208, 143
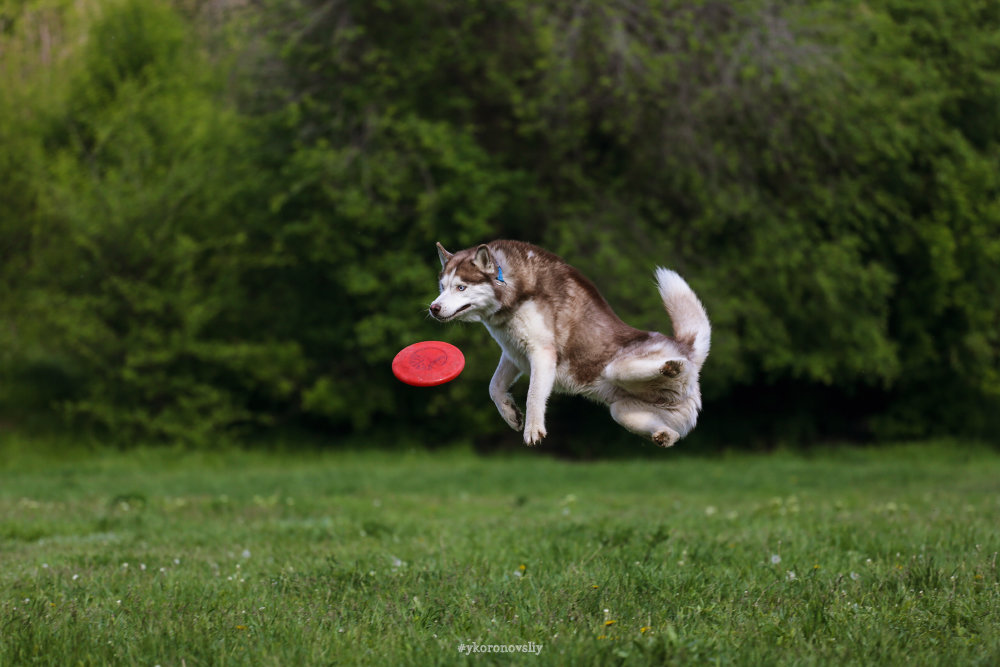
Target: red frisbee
428, 363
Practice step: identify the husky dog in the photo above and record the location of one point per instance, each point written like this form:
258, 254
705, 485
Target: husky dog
552, 323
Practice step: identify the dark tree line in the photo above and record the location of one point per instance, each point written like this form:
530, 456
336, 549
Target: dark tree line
219, 218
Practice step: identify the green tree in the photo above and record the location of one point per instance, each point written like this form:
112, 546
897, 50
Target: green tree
195, 241
136, 234
823, 173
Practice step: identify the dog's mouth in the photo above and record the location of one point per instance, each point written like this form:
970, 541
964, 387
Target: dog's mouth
445, 318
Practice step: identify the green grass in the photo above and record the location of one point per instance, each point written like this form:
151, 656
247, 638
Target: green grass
153, 557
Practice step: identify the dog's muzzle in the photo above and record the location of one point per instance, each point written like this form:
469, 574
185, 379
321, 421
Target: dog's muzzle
436, 312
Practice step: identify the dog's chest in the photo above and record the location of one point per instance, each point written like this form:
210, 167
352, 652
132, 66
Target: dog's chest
523, 332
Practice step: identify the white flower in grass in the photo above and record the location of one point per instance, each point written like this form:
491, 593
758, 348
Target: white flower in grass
775, 559
791, 576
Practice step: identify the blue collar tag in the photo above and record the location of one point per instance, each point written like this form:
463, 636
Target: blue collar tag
500, 275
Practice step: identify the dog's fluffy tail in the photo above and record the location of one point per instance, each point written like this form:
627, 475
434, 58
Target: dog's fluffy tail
691, 325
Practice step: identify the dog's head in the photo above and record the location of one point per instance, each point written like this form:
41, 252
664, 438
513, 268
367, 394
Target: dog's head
468, 283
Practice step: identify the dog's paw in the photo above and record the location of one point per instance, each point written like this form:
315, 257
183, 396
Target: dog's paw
672, 368
533, 434
666, 437
511, 413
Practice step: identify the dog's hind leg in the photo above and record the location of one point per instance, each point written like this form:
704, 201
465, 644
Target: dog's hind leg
644, 419
504, 378
644, 369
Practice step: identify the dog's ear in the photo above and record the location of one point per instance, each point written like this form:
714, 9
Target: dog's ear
443, 254
484, 260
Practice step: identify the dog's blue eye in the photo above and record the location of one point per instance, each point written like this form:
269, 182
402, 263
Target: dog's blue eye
461, 288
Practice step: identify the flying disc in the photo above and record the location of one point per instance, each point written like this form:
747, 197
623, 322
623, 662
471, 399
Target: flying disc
428, 363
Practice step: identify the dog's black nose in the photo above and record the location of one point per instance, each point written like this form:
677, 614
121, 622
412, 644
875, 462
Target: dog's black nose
435, 308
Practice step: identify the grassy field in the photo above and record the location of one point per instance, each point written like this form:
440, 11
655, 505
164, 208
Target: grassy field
849, 556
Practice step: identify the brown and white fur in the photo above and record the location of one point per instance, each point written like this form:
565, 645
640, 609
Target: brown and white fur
552, 323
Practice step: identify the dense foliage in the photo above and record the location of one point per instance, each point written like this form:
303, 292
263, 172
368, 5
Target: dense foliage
219, 216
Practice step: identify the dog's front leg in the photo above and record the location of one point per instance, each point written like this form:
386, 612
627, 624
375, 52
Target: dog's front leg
504, 377
543, 378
